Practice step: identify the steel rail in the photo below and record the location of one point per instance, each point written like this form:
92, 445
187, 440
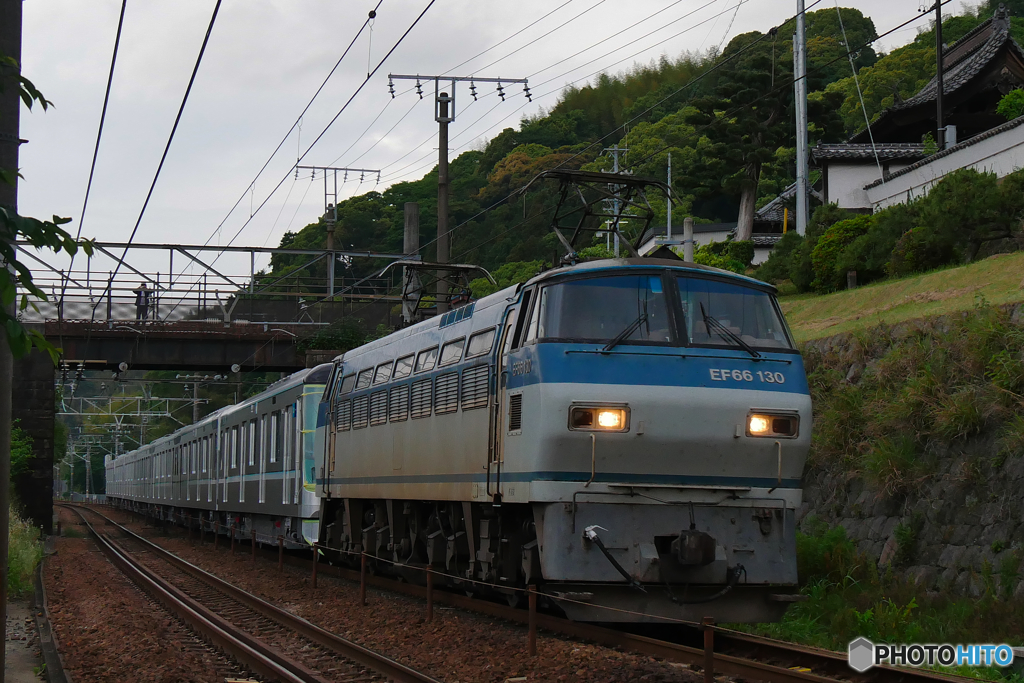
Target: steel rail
393, 670
751, 661
222, 634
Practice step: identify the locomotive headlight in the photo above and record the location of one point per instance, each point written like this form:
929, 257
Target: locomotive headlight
759, 424
780, 424
598, 418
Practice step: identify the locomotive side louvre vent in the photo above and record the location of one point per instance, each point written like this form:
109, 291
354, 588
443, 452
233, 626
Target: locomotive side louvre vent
474, 387
359, 411
398, 408
343, 421
515, 412
379, 408
446, 394
420, 401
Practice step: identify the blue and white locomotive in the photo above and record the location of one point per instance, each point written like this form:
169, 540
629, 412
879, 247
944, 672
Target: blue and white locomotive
628, 435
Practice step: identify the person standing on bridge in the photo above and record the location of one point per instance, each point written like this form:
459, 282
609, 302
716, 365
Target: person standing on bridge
142, 302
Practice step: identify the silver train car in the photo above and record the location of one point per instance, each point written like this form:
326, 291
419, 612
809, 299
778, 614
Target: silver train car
250, 465
628, 435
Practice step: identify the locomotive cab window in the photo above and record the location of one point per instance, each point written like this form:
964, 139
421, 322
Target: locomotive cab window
719, 313
364, 379
383, 373
452, 352
426, 359
480, 343
628, 308
403, 367
347, 384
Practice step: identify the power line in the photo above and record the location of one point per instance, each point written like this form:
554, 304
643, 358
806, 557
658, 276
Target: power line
328, 126
99, 135
372, 15
167, 147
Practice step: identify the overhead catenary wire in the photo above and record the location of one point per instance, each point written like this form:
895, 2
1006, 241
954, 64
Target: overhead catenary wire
860, 95
167, 147
96, 149
298, 119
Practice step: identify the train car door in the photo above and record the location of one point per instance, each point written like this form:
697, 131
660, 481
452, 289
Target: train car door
511, 333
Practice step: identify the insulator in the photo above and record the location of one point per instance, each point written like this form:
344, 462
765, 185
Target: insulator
362, 176
526, 90
345, 179
419, 88
501, 92
472, 90
391, 87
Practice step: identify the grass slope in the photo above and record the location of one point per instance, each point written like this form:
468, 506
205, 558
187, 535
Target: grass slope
997, 279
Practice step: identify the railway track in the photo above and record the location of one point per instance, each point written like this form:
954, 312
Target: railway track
736, 654
272, 643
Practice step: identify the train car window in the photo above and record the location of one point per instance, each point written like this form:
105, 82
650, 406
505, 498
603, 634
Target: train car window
452, 352
480, 343
426, 359
257, 439
524, 310
277, 425
347, 384
249, 442
403, 367
234, 448
364, 379
531, 328
627, 308
720, 313
383, 373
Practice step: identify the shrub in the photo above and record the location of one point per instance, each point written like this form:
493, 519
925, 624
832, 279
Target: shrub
776, 268
892, 465
715, 255
920, 249
1011, 105
823, 553
23, 554
870, 253
801, 272
742, 251
827, 253
959, 415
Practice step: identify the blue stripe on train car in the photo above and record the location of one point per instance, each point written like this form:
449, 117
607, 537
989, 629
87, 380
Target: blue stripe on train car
657, 366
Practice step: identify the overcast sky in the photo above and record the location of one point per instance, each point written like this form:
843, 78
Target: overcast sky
264, 61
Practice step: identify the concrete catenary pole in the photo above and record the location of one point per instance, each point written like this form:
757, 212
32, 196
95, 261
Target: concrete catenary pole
410, 277
688, 239
443, 237
939, 73
10, 111
800, 91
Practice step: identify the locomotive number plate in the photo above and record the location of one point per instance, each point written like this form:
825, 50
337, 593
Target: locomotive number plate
720, 375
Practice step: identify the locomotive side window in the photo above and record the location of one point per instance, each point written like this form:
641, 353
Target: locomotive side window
426, 359
480, 343
524, 310
452, 352
723, 314
347, 384
383, 373
403, 367
364, 379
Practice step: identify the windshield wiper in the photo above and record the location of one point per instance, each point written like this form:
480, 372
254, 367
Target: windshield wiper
633, 327
725, 333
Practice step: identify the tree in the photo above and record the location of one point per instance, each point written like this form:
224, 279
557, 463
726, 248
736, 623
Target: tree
1012, 104
746, 120
40, 234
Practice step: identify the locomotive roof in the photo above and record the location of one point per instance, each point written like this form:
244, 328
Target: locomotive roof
618, 263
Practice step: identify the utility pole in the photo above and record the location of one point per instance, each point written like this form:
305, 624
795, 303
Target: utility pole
939, 123
331, 206
10, 139
800, 87
615, 169
411, 284
444, 113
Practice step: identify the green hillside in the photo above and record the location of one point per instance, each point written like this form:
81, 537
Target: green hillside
998, 279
